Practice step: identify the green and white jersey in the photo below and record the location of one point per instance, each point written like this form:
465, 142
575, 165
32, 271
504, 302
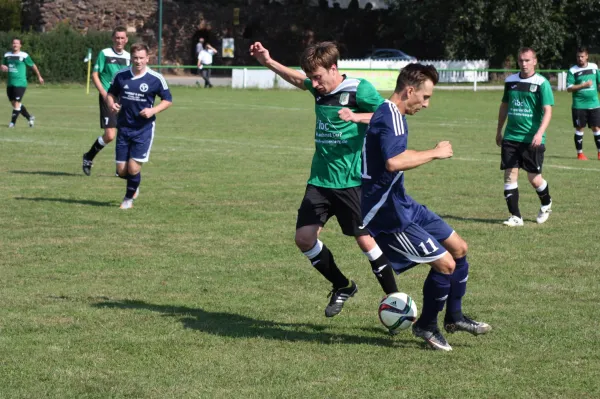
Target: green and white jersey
108, 63
526, 99
338, 144
17, 64
586, 98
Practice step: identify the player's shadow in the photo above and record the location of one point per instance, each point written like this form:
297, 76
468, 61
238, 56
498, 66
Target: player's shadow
478, 220
67, 201
43, 173
238, 326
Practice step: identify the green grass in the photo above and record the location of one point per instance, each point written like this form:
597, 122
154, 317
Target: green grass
199, 291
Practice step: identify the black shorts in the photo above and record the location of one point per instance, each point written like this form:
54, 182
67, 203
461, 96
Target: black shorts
521, 155
108, 119
583, 117
319, 204
15, 93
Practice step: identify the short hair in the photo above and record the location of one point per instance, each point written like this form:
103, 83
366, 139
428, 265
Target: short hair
323, 54
582, 49
17, 38
415, 75
139, 46
119, 28
526, 49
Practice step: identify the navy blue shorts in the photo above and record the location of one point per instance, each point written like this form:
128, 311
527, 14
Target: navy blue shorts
134, 144
419, 243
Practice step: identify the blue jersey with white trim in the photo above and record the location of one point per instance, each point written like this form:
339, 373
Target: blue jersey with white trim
386, 208
135, 93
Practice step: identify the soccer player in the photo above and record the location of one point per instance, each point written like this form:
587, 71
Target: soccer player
131, 95
15, 63
583, 80
407, 232
343, 106
527, 104
110, 61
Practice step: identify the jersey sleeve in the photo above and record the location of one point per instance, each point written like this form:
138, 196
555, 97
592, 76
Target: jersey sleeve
309, 86
570, 79
367, 97
163, 90
99, 65
115, 86
505, 95
597, 79
546, 94
392, 134
28, 61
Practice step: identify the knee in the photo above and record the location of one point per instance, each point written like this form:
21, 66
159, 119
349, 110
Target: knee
460, 251
446, 265
304, 240
108, 136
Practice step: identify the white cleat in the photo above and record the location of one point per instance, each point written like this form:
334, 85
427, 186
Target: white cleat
11, 125
544, 213
31, 121
127, 203
514, 221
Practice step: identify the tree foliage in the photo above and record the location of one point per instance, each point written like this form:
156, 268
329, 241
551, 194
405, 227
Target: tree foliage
10, 15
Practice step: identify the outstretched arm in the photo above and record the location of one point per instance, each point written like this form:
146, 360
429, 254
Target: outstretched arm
290, 75
411, 159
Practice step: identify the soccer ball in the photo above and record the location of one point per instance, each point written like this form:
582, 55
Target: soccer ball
397, 311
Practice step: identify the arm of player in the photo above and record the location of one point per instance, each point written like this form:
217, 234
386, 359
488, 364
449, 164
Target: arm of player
578, 87
502, 115
347, 115
411, 159
37, 72
290, 75
112, 103
98, 84
537, 139
148, 112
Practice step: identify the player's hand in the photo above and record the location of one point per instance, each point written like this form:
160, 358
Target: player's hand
41, 80
347, 115
3, 68
260, 53
116, 107
444, 150
147, 112
499, 139
537, 140
589, 83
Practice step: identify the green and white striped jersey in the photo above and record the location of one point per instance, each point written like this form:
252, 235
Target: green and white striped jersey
526, 99
108, 63
338, 144
586, 98
17, 64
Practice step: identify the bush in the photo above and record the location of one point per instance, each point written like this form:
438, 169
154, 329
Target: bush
595, 58
10, 15
59, 54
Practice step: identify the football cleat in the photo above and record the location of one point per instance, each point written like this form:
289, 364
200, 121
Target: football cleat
10, 125
31, 121
467, 325
86, 165
599, 156
127, 203
338, 297
544, 213
513, 221
434, 338
581, 156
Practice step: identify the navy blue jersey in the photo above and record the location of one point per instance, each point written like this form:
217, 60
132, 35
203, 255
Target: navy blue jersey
386, 208
135, 93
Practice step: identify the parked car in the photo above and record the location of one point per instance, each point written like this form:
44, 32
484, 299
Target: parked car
390, 54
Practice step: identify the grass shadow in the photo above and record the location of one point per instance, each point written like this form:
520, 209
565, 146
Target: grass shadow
43, 173
238, 326
68, 201
478, 220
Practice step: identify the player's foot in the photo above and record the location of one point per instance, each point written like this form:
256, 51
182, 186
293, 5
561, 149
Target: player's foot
31, 121
598, 156
513, 221
137, 193
338, 297
86, 165
127, 203
434, 338
544, 213
11, 125
467, 325
581, 156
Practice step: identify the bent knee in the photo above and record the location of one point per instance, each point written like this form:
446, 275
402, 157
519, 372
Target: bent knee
304, 241
446, 265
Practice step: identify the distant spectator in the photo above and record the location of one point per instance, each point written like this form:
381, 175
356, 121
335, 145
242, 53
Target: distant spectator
199, 46
205, 58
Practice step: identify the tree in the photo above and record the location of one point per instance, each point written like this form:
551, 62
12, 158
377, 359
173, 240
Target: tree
10, 15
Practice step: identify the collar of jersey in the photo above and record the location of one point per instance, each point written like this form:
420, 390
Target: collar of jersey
133, 77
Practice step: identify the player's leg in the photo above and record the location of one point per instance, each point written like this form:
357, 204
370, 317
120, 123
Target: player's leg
533, 161
594, 124
346, 205
313, 213
108, 122
510, 162
16, 106
579, 117
205, 77
208, 75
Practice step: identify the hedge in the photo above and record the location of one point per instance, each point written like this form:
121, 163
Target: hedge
59, 54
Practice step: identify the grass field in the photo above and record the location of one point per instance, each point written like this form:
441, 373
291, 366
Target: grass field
200, 292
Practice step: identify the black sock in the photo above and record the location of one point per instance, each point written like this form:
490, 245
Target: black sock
323, 261
24, 112
512, 201
95, 149
133, 182
578, 142
544, 195
597, 140
14, 116
385, 274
